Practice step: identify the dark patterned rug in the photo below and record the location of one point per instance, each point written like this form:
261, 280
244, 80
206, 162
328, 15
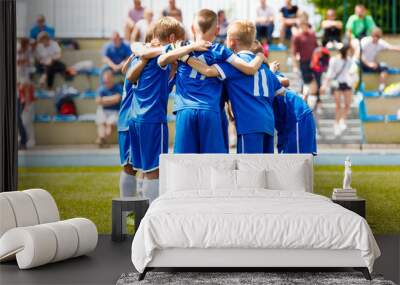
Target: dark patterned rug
244, 278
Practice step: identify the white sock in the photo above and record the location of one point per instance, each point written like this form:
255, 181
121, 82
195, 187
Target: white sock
139, 186
127, 185
150, 189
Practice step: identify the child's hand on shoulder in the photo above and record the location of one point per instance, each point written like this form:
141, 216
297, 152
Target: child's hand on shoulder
201, 45
275, 66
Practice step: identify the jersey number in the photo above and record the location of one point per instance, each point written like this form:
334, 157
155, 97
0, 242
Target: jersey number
261, 73
193, 73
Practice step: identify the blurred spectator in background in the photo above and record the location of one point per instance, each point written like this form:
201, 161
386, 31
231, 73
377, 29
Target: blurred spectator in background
332, 30
288, 15
223, 27
303, 45
265, 22
25, 94
360, 24
135, 14
115, 53
371, 46
108, 100
41, 27
48, 63
319, 65
23, 138
171, 8
141, 27
177, 14
340, 77
302, 17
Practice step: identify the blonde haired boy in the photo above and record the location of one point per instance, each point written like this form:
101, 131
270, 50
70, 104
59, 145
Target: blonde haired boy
198, 98
148, 131
251, 96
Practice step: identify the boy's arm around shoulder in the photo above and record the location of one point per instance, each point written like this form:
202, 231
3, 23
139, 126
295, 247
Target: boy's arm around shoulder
203, 68
248, 68
177, 53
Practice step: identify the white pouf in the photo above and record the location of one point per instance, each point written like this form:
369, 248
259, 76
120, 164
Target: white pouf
31, 233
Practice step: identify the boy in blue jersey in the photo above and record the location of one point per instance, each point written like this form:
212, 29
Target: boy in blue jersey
295, 124
251, 97
128, 183
198, 98
148, 115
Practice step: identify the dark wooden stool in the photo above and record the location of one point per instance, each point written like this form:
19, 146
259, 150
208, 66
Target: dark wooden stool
137, 205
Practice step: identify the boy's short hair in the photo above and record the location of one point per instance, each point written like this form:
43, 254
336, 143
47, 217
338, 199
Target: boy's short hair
165, 27
181, 32
205, 20
244, 31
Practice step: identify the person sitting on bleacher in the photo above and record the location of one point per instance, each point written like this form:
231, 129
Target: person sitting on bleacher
135, 14
48, 63
332, 28
108, 100
371, 46
360, 24
115, 54
41, 27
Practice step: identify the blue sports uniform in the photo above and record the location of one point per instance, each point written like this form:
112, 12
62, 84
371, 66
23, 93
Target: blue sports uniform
224, 119
197, 105
251, 98
148, 122
123, 119
294, 122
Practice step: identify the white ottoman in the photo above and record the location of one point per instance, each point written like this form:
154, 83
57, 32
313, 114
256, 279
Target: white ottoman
31, 232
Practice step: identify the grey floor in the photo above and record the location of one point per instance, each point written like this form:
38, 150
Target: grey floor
110, 260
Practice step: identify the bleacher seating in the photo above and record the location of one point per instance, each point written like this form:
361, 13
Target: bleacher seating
51, 129
381, 104
379, 128
281, 55
55, 130
371, 80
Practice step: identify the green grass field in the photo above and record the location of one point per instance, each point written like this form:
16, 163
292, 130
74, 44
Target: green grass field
87, 191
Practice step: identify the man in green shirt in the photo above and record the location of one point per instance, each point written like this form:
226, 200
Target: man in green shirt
360, 24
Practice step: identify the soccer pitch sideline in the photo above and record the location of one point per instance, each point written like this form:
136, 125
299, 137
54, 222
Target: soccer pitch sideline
87, 191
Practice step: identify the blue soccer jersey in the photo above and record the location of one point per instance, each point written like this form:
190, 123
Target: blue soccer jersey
150, 98
126, 102
251, 96
196, 91
294, 123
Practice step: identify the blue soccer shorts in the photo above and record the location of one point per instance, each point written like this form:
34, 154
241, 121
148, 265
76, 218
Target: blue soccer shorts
124, 143
302, 137
225, 132
148, 141
199, 131
255, 143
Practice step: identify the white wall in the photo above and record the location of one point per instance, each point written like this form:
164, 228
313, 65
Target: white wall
98, 18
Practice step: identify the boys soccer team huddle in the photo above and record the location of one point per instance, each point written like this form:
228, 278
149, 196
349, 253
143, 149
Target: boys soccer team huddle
206, 76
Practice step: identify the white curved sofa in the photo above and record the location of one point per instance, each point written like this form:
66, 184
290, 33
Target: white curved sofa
31, 231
